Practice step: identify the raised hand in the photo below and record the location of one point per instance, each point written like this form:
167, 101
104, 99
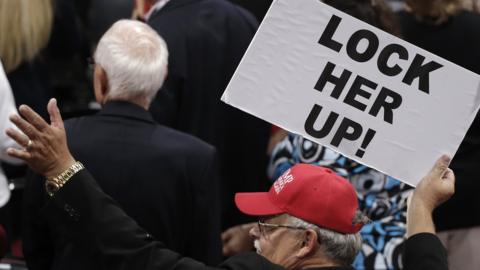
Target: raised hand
45, 145
437, 186
434, 189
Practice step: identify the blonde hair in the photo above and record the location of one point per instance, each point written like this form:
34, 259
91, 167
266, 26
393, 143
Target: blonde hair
473, 5
25, 27
435, 11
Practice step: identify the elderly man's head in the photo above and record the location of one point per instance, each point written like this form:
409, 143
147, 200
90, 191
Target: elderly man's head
131, 63
308, 218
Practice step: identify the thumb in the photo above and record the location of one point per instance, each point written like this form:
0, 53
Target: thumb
54, 112
449, 175
440, 167
449, 181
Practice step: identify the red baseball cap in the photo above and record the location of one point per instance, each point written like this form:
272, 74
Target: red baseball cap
312, 193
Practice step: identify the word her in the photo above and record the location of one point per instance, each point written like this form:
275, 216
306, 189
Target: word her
386, 99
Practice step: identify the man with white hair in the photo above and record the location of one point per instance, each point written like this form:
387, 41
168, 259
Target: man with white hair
207, 40
166, 180
308, 219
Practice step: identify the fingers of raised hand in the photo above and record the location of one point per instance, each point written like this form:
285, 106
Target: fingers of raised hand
24, 126
54, 112
17, 136
33, 118
20, 154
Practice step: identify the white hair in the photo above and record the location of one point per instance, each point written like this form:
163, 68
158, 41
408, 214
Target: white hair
338, 247
134, 58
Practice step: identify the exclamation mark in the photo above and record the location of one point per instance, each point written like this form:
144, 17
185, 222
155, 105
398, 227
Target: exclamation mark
366, 141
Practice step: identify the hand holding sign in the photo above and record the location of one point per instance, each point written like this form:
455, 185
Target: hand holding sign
434, 189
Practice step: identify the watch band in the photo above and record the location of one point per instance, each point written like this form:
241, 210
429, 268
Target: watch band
54, 184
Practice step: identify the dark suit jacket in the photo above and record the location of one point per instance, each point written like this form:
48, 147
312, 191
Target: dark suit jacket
164, 179
30, 84
95, 221
257, 7
206, 40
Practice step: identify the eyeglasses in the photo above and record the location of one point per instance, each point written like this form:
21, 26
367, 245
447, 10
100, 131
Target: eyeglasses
262, 227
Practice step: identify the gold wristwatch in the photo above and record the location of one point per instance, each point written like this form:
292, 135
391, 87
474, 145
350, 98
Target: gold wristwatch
54, 184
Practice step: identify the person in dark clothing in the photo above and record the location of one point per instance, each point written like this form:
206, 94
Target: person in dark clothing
206, 40
31, 84
103, 13
166, 180
257, 7
66, 56
447, 30
78, 205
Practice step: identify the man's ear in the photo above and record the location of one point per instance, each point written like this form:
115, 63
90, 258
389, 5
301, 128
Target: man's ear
309, 244
100, 84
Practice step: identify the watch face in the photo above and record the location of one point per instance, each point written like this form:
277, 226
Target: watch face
51, 187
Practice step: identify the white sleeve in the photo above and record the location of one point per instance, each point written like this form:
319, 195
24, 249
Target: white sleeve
7, 108
4, 189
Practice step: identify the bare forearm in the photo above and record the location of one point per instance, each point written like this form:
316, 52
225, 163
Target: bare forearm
419, 219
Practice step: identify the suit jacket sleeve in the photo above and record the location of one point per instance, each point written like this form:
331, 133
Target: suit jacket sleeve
37, 242
206, 220
424, 251
99, 224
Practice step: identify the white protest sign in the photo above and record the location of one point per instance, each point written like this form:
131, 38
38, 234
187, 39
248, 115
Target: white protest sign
340, 82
